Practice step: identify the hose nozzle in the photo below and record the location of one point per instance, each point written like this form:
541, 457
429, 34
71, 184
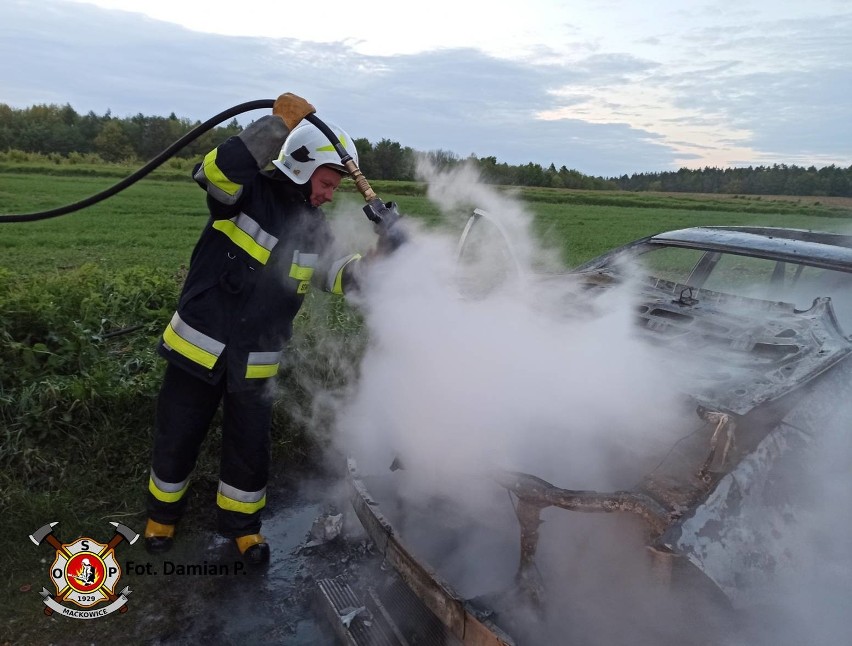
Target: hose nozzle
361, 182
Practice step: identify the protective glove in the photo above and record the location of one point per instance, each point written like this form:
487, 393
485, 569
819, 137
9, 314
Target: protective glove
292, 109
385, 217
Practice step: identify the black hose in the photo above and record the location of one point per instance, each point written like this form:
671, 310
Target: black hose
188, 138
329, 133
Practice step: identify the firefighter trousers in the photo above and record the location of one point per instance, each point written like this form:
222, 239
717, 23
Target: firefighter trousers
186, 406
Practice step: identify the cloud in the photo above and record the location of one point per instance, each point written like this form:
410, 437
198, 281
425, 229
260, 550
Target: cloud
459, 100
706, 93
789, 91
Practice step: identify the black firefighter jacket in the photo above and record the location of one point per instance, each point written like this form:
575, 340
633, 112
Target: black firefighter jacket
258, 254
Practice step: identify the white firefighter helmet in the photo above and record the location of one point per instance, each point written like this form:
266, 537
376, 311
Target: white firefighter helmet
307, 148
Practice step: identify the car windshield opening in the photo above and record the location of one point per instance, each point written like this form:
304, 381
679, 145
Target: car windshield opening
746, 276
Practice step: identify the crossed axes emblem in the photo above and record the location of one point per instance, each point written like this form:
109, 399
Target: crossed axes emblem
45, 534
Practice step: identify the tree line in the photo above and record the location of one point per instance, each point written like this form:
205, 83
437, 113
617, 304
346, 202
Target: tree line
778, 179
60, 130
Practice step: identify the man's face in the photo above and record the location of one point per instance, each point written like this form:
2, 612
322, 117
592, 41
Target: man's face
324, 182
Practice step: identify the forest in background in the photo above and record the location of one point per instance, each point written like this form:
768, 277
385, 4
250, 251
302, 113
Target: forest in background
60, 132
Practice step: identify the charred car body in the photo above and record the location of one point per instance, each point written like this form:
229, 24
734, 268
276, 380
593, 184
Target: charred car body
769, 311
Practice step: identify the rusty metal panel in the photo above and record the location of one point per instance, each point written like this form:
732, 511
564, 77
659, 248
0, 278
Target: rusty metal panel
437, 595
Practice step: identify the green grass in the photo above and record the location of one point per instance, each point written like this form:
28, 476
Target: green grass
583, 232
153, 223
71, 398
156, 222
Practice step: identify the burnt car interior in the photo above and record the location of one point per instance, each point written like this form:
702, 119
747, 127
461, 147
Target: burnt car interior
752, 320
756, 263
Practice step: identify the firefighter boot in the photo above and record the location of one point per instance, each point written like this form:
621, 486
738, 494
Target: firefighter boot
158, 537
254, 548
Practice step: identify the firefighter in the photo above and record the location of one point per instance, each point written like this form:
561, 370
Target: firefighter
86, 576
265, 242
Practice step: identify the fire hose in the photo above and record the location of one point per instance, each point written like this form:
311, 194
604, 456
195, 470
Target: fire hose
382, 214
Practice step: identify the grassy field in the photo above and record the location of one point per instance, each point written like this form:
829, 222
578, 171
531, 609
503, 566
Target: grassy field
155, 222
83, 298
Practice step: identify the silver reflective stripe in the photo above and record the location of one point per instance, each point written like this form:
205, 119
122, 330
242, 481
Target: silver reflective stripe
221, 196
168, 487
334, 279
305, 259
219, 187
196, 338
239, 495
302, 270
263, 358
252, 228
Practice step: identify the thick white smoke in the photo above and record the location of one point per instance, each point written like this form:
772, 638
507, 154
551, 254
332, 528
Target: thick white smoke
530, 375
526, 376
454, 385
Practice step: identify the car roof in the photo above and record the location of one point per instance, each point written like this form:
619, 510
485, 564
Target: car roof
821, 249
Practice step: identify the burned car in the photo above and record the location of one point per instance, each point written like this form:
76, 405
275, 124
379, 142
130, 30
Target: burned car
755, 324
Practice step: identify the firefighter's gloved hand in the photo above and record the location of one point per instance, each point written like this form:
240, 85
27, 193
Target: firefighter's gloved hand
385, 217
292, 109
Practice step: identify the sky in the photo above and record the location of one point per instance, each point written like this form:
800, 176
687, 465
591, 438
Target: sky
606, 87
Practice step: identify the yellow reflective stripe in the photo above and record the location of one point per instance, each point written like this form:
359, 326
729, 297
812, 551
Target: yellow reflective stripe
242, 239
261, 371
261, 365
249, 226
337, 269
302, 269
190, 351
301, 273
235, 505
330, 148
245, 502
216, 176
166, 496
